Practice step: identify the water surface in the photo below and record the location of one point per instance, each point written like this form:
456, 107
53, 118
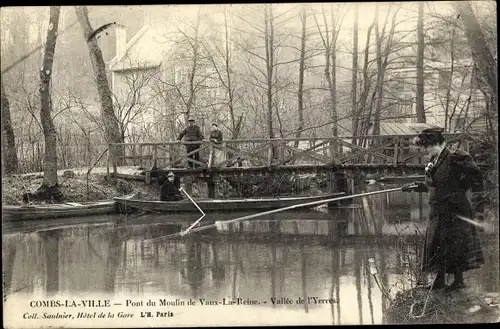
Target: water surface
112, 258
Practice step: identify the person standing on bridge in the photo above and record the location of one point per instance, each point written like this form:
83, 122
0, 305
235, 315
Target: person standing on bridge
192, 133
451, 243
216, 137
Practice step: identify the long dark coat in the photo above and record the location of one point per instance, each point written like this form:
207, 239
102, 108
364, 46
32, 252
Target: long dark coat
170, 192
451, 244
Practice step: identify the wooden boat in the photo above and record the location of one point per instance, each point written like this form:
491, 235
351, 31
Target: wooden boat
220, 205
59, 210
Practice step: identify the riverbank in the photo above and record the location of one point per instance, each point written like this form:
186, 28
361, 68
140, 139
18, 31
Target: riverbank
77, 186
420, 306
478, 302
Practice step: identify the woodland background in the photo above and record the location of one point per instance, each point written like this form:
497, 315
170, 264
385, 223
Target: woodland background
258, 70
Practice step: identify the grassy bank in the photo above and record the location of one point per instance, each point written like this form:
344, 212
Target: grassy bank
76, 186
478, 302
419, 306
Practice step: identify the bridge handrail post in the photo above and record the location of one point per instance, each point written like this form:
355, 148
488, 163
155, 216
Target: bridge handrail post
107, 164
396, 150
281, 150
140, 155
155, 155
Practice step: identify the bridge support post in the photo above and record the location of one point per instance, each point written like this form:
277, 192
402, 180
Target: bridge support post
338, 227
332, 185
211, 186
340, 185
188, 184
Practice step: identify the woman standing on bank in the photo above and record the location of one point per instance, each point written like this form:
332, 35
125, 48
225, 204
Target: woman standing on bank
451, 244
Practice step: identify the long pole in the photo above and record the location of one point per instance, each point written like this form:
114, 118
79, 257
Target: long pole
199, 219
218, 224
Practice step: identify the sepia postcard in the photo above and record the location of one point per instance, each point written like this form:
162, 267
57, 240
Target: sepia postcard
250, 164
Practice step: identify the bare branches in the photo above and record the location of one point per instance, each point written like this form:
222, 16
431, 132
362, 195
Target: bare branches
269, 62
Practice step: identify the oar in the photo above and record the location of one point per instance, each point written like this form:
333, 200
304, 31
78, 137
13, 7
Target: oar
218, 224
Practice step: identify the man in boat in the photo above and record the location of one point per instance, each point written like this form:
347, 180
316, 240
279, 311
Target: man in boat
170, 190
192, 133
451, 242
216, 137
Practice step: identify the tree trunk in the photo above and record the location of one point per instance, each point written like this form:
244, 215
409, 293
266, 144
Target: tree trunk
420, 65
358, 124
111, 122
450, 83
235, 125
333, 78
300, 92
9, 154
481, 53
269, 41
380, 77
354, 84
192, 85
49, 131
382, 60
330, 72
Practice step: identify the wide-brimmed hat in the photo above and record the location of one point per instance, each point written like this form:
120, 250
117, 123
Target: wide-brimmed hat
190, 120
171, 174
429, 136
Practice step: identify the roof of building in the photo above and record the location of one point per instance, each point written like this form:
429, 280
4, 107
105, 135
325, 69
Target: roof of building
138, 54
399, 128
396, 128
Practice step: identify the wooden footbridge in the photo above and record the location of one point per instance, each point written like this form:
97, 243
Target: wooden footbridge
388, 154
351, 160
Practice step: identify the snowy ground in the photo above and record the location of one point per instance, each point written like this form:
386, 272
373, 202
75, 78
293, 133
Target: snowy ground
128, 170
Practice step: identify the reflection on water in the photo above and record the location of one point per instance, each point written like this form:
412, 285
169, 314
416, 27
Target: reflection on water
128, 258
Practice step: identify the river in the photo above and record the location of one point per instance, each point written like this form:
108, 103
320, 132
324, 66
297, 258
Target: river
293, 282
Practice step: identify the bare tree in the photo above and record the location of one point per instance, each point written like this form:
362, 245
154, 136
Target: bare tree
354, 84
270, 53
225, 75
9, 154
49, 131
190, 73
188, 56
382, 63
481, 52
137, 97
366, 83
330, 45
109, 118
266, 79
450, 82
369, 116
452, 103
195, 46
235, 124
300, 92
420, 64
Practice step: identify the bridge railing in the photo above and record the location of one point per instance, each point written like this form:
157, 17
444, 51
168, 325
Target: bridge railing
277, 152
